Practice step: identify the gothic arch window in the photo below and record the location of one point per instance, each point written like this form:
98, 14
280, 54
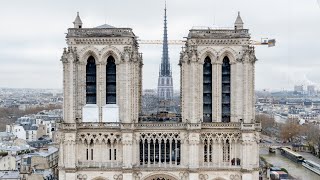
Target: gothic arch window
226, 151
207, 90
160, 151
226, 83
168, 95
91, 83
111, 85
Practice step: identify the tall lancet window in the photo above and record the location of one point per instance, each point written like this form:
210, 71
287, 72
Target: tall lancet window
111, 90
226, 74
207, 90
91, 83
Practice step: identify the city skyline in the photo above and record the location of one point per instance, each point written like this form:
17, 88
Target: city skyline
31, 37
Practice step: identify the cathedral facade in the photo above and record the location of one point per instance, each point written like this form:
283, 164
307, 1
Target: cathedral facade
102, 136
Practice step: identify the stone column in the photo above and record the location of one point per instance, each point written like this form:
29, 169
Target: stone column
200, 91
136, 149
143, 151
246, 90
239, 91
127, 152
233, 90
184, 153
170, 152
70, 152
220, 153
176, 152
148, 152
218, 91
159, 142
101, 85
82, 86
193, 150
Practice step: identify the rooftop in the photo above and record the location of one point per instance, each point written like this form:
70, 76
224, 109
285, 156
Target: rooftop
9, 175
100, 31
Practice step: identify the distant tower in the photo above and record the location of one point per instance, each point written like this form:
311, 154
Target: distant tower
165, 83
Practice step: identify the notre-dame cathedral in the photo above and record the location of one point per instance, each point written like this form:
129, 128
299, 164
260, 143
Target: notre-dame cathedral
103, 137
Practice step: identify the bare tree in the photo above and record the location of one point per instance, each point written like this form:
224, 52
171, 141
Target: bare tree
290, 130
267, 123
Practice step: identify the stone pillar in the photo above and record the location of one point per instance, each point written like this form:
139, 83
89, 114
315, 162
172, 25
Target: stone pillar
247, 95
239, 91
82, 86
184, 157
220, 153
136, 150
69, 153
248, 152
148, 152
65, 86
215, 95
101, 85
234, 93
251, 94
69, 85
219, 91
127, 152
186, 88
194, 150
193, 96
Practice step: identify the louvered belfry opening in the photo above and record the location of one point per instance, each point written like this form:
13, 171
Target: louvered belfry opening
226, 95
111, 86
207, 90
91, 81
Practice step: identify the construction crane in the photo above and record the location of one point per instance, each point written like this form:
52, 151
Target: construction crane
171, 42
264, 41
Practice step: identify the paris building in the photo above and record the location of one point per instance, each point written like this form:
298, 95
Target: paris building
103, 137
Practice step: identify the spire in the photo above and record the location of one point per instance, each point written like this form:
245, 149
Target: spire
165, 65
77, 22
238, 24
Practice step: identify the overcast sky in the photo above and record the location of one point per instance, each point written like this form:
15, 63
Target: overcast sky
32, 36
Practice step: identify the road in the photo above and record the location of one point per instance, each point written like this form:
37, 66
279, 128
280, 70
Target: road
294, 169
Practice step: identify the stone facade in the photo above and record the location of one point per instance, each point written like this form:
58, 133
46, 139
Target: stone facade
130, 149
218, 44
8, 163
